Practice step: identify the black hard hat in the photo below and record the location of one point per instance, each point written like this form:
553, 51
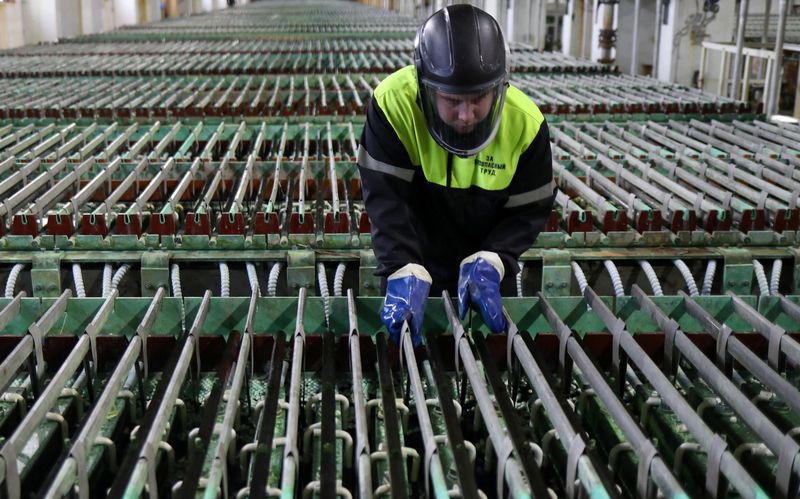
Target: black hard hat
460, 50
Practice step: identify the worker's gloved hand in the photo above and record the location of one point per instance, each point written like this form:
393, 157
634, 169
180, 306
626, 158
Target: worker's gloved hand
479, 287
406, 296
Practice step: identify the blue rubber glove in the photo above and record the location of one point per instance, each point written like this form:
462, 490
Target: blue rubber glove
406, 296
479, 287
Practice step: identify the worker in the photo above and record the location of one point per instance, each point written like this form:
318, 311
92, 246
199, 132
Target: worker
456, 172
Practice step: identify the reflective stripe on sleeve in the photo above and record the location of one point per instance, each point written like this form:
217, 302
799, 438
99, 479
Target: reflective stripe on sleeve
533, 196
370, 163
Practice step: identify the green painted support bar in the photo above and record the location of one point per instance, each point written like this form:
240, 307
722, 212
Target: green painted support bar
279, 314
556, 273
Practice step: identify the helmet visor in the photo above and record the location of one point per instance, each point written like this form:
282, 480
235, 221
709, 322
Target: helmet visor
463, 123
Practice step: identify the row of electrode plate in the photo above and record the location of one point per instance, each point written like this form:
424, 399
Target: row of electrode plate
220, 47
618, 94
225, 178
574, 436
678, 175
284, 95
267, 62
522, 55
321, 94
648, 176
275, 18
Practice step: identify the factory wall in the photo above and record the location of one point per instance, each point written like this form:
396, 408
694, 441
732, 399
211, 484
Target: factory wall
526, 21
687, 26
684, 28
93, 16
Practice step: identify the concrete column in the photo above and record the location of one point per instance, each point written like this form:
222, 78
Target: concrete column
108, 15
540, 18
493, 8
737, 60
606, 49
11, 33
637, 9
657, 39
91, 12
510, 29
586, 31
765, 28
173, 8
40, 21
774, 81
153, 10
570, 32
126, 12
69, 19
634, 54
531, 17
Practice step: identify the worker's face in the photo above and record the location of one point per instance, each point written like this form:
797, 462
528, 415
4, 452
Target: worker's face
463, 111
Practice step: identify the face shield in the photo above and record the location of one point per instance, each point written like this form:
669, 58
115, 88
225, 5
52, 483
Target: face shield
461, 122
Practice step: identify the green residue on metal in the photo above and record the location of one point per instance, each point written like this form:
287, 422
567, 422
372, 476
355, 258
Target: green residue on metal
111, 421
598, 492
47, 429
276, 460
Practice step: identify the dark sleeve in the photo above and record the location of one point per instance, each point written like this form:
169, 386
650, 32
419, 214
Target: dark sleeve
386, 174
531, 196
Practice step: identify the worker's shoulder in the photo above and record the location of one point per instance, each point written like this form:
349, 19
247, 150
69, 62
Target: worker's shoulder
519, 103
401, 83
